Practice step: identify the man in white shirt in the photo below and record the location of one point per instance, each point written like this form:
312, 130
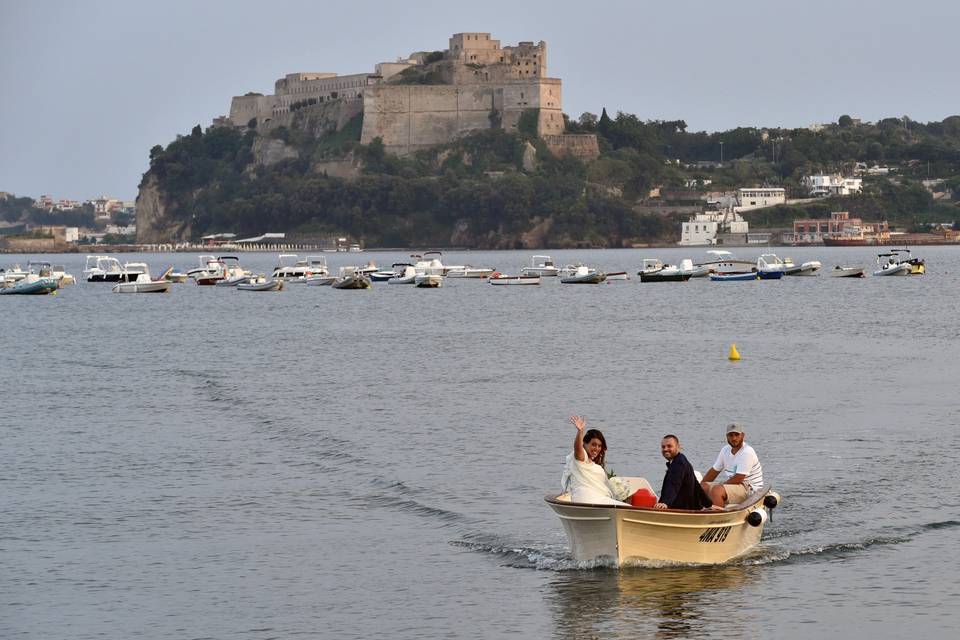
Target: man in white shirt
736, 472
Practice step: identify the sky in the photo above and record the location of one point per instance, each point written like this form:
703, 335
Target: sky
87, 87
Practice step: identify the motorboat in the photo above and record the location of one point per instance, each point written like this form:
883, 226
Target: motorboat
503, 279
351, 278
133, 270
569, 270
30, 284
403, 273
208, 271
695, 271
847, 271
142, 283
381, 275
808, 268
291, 268
770, 267
584, 275
260, 283
891, 265
234, 280
540, 266
102, 269
12, 275
721, 261
734, 277
655, 271
59, 273
623, 534
617, 275
917, 265
467, 271
429, 270
319, 280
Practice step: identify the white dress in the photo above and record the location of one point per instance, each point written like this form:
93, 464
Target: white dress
587, 482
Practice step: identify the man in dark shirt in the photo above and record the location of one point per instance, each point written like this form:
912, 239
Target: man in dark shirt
680, 490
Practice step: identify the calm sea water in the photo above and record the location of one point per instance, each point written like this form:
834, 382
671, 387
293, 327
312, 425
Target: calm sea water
352, 464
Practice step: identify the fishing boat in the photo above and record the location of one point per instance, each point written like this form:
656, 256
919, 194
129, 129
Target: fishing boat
351, 278
847, 271
808, 268
142, 283
733, 277
623, 534
891, 265
584, 275
260, 283
503, 279
540, 266
770, 267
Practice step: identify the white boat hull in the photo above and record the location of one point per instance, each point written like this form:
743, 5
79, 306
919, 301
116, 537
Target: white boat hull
540, 271
428, 280
847, 272
514, 280
902, 269
142, 287
627, 535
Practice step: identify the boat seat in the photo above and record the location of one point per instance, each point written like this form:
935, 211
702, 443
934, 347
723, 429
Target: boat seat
752, 497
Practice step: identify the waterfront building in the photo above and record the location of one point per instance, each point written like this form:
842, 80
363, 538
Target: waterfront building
832, 185
839, 229
702, 229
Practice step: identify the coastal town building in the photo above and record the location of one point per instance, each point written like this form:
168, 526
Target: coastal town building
832, 185
474, 84
759, 198
840, 228
702, 229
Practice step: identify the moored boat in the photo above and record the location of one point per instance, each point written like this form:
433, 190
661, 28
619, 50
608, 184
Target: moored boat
503, 279
143, 283
584, 275
260, 283
102, 269
30, 284
917, 265
891, 265
351, 278
847, 271
617, 275
733, 277
403, 273
540, 266
808, 268
623, 534
770, 267
655, 271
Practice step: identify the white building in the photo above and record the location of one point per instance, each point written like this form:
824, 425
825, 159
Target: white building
833, 185
702, 229
760, 197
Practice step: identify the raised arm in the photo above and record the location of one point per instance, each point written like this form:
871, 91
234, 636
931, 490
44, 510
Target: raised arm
578, 451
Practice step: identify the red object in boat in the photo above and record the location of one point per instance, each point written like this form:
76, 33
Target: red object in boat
643, 498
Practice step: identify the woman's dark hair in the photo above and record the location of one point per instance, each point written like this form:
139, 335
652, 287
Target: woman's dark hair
595, 433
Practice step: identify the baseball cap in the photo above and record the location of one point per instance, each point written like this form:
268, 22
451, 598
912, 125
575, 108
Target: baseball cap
733, 427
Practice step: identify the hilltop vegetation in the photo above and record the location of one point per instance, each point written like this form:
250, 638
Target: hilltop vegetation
494, 189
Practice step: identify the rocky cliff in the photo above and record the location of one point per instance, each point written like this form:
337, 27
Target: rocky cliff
154, 225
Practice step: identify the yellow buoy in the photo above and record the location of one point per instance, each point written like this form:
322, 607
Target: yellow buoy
734, 354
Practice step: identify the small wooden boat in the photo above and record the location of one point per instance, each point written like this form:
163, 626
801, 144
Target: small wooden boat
847, 271
623, 534
584, 275
733, 277
502, 279
260, 283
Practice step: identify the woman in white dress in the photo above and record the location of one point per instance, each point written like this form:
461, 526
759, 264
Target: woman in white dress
585, 476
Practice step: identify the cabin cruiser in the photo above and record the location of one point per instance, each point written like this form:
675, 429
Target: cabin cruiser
584, 275
351, 278
102, 269
623, 534
655, 271
891, 265
541, 266
141, 281
291, 268
403, 273
808, 268
770, 267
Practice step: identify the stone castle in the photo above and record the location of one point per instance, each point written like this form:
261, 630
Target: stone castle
428, 99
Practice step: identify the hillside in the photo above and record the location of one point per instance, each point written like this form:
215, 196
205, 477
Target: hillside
493, 189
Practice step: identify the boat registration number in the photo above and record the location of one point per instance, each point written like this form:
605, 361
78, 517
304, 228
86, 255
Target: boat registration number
715, 534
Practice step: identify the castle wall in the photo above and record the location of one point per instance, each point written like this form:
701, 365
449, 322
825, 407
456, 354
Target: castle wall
578, 145
412, 117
